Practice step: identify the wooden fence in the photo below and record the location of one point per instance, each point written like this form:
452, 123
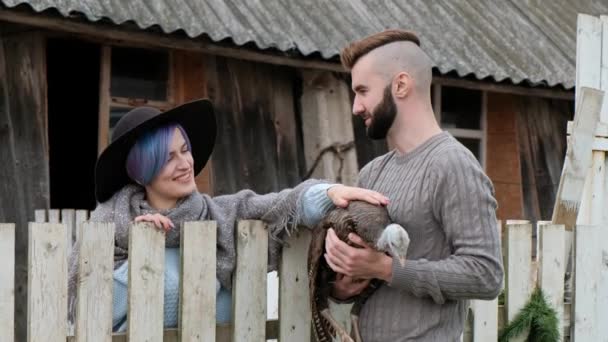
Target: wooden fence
47, 282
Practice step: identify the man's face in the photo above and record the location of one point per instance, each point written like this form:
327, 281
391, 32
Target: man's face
373, 101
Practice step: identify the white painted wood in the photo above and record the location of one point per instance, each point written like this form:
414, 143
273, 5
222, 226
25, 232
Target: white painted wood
604, 66
518, 267
198, 269
54, 216
96, 265
591, 273
146, 283
465, 133
249, 291
68, 217
81, 217
600, 131
7, 281
485, 320
552, 265
327, 121
40, 215
47, 283
578, 158
588, 53
294, 297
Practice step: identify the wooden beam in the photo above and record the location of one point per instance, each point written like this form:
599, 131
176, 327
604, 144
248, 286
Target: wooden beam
105, 70
118, 35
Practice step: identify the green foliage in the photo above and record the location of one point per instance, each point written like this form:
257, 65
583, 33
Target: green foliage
538, 317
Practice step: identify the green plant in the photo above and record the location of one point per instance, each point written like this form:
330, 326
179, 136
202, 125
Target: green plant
537, 317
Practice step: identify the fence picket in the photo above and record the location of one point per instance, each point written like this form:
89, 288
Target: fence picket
67, 218
146, 283
552, 266
40, 215
249, 315
96, 264
47, 283
7, 280
294, 298
198, 269
519, 266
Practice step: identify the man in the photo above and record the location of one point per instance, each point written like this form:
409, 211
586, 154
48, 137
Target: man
437, 191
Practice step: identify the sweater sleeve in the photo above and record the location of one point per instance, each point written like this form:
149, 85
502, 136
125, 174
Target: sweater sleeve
464, 205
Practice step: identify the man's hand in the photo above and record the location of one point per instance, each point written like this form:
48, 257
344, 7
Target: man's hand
359, 263
341, 195
346, 287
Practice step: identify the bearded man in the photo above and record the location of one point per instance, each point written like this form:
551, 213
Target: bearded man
438, 192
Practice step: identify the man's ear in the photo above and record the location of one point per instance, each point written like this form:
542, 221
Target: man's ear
402, 85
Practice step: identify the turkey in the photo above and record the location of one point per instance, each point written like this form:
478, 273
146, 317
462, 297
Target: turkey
372, 224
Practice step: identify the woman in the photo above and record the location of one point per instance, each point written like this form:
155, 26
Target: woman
147, 174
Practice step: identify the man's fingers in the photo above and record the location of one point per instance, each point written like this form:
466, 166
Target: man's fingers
333, 266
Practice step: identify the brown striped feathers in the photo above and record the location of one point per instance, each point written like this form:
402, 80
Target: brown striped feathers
372, 224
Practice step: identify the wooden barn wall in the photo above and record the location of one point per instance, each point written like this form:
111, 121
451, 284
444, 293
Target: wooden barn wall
24, 180
257, 137
502, 154
541, 126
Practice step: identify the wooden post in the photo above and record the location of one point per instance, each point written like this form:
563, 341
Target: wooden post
7, 281
96, 265
294, 297
485, 320
198, 269
67, 217
326, 122
47, 283
519, 267
146, 283
249, 283
591, 279
553, 267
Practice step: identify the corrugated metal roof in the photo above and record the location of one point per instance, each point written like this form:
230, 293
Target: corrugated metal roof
516, 40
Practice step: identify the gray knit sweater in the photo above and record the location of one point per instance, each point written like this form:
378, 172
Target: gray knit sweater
442, 197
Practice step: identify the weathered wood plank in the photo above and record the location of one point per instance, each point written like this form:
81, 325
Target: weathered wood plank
54, 216
103, 126
40, 216
23, 147
578, 158
68, 217
249, 314
327, 124
590, 287
485, 320
198, 269
265, 145
81, 217
47, 283
96, 264
294, 297
7, 281
146, 283
518, 267
552, 265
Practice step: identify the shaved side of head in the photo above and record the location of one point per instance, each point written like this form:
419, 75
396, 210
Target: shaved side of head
403, 56
392, 52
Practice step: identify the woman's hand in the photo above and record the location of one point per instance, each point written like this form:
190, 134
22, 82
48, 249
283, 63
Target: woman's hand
160, 221
341, 195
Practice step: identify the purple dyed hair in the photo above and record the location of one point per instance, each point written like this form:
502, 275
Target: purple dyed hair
150, 153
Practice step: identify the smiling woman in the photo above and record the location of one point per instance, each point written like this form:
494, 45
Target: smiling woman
147, 174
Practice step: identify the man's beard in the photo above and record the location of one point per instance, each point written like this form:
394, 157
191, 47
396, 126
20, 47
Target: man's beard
383, 116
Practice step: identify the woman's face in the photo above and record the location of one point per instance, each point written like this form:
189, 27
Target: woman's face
176, 179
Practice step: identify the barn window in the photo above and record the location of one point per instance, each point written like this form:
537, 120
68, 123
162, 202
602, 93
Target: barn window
461, 112
131, 77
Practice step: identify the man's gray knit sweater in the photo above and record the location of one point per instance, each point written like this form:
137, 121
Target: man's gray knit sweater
442, 197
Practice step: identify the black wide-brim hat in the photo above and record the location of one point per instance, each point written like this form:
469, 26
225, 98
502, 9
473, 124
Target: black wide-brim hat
197, 119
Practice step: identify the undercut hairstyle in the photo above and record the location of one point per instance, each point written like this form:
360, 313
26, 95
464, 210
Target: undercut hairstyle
353, 52
150, 153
